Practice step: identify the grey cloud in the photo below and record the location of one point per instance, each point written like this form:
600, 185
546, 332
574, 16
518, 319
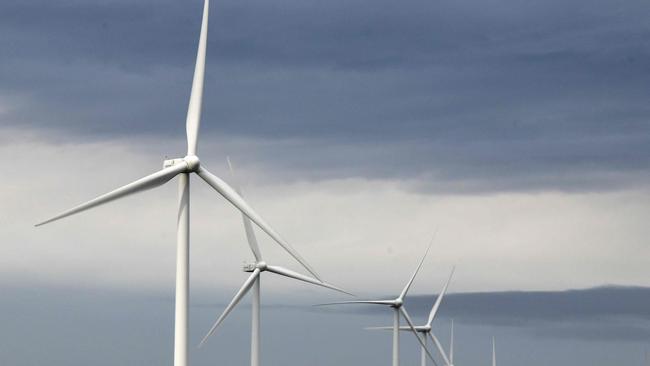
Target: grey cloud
525, 306
475, 96
601, 313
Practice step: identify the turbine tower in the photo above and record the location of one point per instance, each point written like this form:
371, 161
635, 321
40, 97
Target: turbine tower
253, 282
183, 167
397, 305
426, 329
451, 344
494, 352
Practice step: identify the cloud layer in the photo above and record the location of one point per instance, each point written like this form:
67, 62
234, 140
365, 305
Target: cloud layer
364, 234
601, 313
460, 96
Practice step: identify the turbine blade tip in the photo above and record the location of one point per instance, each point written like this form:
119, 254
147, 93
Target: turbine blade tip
336, 288
41, 223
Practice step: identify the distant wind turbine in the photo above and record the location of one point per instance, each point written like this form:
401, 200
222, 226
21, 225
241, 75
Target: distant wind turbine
182, 167
253, 282
426, 329
397, 305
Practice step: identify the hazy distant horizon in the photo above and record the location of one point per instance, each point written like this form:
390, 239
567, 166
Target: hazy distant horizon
77, 326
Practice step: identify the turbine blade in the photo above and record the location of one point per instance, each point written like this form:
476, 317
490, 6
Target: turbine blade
250, 233
436, 305
295, 275
415, 332
229, 193
403, 328
410, 282
440, 349
151, 181
374, 302
240, 294
193, 120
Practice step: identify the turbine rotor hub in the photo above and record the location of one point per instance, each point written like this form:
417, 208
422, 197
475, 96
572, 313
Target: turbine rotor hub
261, 265
193, 163
399, 303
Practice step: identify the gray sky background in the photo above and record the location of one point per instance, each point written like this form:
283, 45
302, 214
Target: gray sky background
517, 132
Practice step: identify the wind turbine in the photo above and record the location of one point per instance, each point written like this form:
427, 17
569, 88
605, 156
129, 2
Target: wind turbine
253, 282
397, 305
426, 329
183, 167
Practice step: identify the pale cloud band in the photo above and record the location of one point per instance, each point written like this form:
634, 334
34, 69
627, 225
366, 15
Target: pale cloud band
550, 240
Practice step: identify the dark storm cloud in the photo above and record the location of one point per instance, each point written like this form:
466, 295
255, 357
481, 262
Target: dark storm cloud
495, 95
526, 306
597, 313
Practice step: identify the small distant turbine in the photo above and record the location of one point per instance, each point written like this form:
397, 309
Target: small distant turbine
397, 305
426, 330
253, 282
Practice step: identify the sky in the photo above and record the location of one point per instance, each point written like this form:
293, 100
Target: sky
516, 135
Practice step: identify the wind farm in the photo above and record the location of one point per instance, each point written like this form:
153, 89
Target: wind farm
343, 134
183, 167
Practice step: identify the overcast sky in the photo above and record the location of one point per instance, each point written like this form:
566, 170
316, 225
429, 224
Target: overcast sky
515, 133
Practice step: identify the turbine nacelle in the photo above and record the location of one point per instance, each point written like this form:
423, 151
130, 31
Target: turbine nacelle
191, 161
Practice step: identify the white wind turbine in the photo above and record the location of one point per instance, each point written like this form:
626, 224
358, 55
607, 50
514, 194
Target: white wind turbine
426, 329
253, 282
182, 167
397, 305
